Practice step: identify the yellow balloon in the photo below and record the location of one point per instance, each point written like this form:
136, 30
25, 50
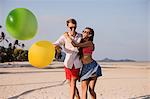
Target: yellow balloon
41, 54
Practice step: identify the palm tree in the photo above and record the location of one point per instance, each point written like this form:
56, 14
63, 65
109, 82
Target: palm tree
10, 45
17, 43
3, 37
22, 45
10, 52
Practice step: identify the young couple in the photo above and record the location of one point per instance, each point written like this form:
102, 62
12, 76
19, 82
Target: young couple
78, 63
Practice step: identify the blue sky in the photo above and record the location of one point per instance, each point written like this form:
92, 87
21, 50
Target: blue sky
121, 26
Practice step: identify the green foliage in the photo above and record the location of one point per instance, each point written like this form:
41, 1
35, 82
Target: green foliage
9, 55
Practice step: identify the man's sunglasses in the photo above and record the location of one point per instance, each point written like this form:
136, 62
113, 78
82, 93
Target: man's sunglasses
72, 28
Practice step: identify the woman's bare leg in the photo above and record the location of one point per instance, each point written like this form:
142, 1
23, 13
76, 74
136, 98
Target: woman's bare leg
84, 86
92, 86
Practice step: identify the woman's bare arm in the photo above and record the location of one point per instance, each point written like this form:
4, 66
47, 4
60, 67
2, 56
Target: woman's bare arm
67, 37
84, 44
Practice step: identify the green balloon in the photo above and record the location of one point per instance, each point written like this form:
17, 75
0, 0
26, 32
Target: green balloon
21, 24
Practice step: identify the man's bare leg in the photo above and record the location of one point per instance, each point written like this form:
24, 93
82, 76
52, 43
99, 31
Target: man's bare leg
73, 89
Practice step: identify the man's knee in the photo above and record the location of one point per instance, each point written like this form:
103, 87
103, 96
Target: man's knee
73, 81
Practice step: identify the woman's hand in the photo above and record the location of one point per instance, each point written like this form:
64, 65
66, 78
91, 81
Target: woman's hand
66, 35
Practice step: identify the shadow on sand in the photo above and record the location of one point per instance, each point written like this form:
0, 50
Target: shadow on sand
142, 97
26, 92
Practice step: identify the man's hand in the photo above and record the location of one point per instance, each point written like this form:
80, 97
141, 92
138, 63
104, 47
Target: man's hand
57, 47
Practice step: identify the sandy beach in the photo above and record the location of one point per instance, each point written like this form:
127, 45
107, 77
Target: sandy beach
120, 80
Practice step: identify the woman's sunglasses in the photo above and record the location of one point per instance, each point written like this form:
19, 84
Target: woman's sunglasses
85, 32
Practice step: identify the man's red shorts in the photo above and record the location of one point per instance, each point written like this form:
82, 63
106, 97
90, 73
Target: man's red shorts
72, 73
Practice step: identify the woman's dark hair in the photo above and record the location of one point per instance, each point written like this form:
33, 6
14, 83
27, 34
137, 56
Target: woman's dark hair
90, 39
80, 53
91, 33
71, 21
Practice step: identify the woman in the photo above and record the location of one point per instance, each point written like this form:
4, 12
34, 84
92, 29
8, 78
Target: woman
90, 70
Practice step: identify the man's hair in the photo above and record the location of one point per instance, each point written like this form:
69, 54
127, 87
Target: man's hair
71, 21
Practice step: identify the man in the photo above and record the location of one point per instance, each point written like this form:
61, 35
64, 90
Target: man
72, 62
